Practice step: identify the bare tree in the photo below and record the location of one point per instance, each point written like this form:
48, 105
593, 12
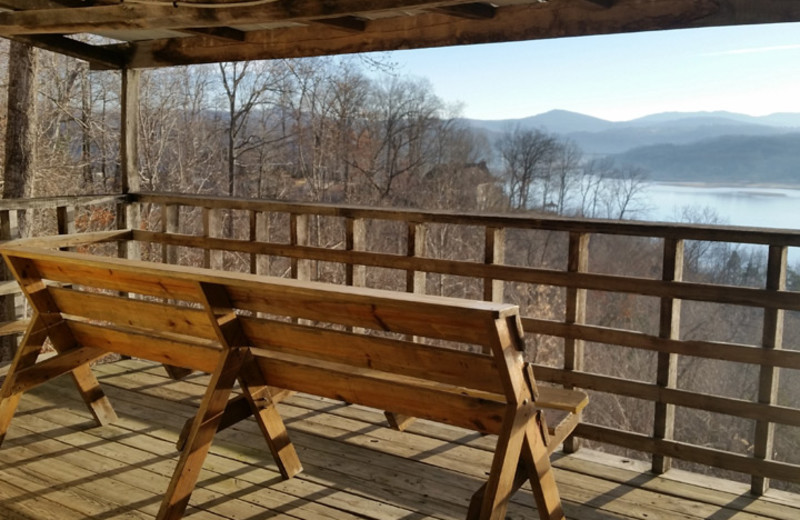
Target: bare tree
525, 154
18, 174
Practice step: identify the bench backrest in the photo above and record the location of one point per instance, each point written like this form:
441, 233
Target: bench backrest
342, 342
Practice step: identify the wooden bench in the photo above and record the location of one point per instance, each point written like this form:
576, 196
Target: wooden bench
339, 342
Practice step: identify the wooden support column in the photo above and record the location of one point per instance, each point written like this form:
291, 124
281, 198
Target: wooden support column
577, 262
769, 376
298, 229
667, 370
494, 253
129, 214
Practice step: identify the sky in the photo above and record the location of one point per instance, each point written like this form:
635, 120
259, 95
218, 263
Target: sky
753, 70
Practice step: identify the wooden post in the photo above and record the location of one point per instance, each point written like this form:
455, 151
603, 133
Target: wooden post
772, 338
301, 269
252, 226
415, 283
129, 214
355, 240
170, 223
667, 369
212, 228
577, 262
261, 221
415, 280
494, 253
65, 217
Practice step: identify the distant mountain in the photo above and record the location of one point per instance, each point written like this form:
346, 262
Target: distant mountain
555, 121
597, 136
726, 159
787, 120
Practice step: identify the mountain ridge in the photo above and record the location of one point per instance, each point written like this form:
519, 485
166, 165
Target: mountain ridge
709, 146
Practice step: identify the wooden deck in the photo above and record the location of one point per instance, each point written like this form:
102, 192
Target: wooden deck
54, 465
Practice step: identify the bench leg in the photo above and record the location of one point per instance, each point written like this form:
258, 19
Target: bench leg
26, 356
265, 411
94, 397
521, 455
237, 409
198, 441
398, 421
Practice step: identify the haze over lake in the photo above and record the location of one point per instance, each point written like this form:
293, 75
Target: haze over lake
734, 205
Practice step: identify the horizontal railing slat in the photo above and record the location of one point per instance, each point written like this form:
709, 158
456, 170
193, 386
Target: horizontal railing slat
678, 397
591, 281
639, 340
691, 453
747, 235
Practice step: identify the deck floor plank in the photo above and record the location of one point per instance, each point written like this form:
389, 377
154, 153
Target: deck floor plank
54, 462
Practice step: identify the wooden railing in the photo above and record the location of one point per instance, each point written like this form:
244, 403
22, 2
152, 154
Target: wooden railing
602, 303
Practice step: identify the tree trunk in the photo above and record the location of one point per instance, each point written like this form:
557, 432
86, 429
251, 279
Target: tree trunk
21, 131
19, 160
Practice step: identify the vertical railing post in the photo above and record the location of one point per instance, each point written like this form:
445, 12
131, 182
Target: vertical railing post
212, 227
355, 240
772, 338
170, 224
301, 269
667, 369
65, 220
206, 217
494, 253
415, 283
259, 232
417, 234
575, 313
252, 236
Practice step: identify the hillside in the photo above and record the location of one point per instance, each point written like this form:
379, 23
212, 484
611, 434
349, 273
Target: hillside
774, 159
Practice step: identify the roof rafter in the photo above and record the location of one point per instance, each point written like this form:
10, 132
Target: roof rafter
432, 29
131, 16
164, 33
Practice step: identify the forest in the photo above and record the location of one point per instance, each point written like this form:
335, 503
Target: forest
351, 130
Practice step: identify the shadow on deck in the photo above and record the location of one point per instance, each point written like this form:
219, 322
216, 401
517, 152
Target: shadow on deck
55, 465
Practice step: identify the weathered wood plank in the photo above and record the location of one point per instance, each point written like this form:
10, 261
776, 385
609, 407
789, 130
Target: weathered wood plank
128, 312
138, 344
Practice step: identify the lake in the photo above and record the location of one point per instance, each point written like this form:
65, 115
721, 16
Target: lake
734, 205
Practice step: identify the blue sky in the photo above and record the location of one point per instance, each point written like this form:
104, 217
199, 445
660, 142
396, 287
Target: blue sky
753, 70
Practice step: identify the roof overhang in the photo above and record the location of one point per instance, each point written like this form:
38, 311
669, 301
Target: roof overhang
156, 33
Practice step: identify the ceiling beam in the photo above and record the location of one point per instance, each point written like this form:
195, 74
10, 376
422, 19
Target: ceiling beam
603, 3
348, 23
98, 57
132, 16
221, 33
475, 11
510, 23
